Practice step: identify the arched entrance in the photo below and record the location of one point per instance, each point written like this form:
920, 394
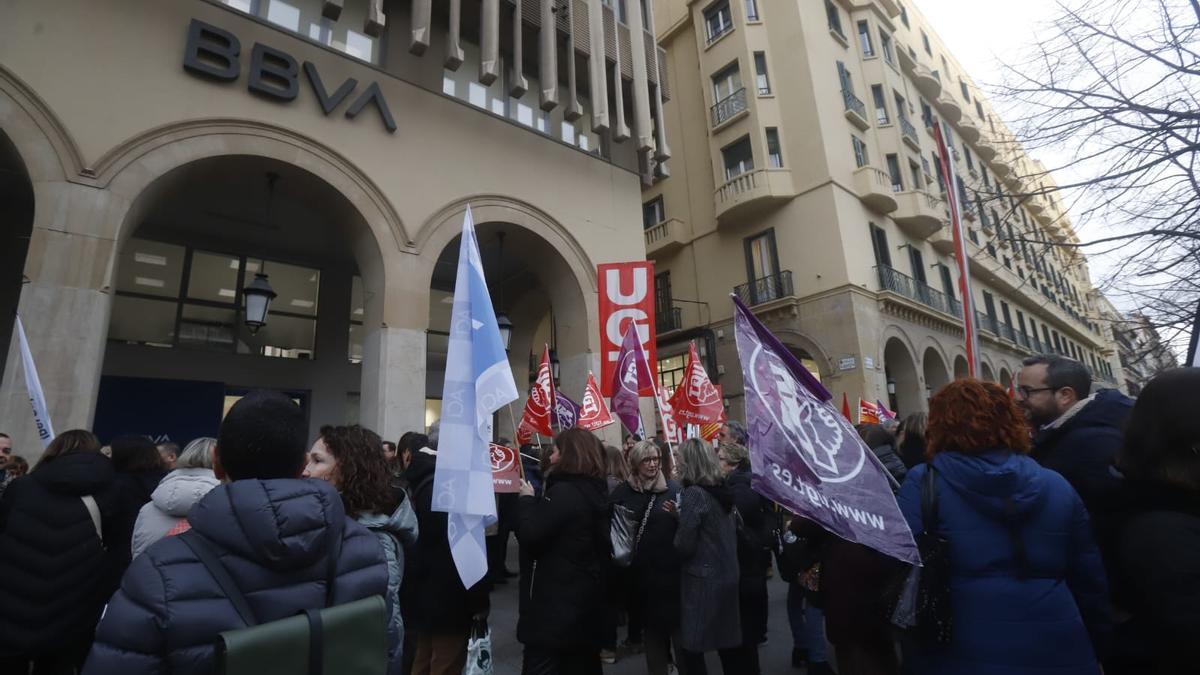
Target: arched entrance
936, 375
530, 280
16, 217
986, 373
1005, 378
960, 368
903, 386
178, 341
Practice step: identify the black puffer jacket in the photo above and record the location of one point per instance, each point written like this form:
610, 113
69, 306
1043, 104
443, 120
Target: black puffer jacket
891, 461
432, 596
565, 549
54, 574
274, 537
134, 489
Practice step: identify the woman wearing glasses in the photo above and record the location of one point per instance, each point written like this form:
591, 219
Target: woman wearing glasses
655, 568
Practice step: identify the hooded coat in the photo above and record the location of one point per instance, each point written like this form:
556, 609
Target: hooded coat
55, 573
565, 552
1027, 584
274, 537
395, 533
169, 504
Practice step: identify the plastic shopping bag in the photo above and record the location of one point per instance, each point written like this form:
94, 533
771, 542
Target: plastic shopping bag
479, 650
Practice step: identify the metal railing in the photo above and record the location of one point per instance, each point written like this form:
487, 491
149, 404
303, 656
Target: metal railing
729, 106
907, 130
891, 279
987, 323
721, 30
853, 103
668, 320
1007, 332
766, 289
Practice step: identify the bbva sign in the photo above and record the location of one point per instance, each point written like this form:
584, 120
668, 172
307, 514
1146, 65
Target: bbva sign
215, 53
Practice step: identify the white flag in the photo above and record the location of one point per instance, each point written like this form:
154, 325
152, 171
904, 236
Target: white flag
41, 416
478, 382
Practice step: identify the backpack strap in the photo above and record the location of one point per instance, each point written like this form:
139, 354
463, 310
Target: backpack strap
208, 558
929, 500
335, 552
316, 642
89, 503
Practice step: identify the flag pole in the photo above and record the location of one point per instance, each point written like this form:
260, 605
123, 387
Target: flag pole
970, 336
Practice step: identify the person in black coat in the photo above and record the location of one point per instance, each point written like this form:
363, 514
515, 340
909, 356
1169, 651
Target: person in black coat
437, 609
565, 550
754, 549
1155, 578
882, 445
654, 571
56, 572
139, 469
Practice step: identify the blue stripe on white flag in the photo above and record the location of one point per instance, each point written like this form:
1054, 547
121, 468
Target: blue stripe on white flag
478, 382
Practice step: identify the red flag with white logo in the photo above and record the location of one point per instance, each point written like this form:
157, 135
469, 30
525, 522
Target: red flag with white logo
593, 412
696, 400
541, 399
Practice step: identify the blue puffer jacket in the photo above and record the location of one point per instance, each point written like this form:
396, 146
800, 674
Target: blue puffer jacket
273, 537
1009, 618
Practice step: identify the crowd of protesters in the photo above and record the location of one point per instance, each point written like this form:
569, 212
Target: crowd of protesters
1069, 518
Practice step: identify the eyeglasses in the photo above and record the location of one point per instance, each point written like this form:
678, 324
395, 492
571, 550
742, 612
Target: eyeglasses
1026, 391
651, 460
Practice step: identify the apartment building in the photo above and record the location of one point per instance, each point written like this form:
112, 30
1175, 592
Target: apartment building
805, 181
1141, 351
161, 163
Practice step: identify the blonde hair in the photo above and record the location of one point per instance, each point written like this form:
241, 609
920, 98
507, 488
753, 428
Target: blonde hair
698, 463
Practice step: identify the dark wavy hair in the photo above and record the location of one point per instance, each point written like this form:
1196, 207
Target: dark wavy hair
135, 452
970, 416
68, 443
1162, 436
363, 477
580, 453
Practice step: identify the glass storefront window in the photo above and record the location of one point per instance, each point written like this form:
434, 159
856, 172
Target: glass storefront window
211, 328
213, 277
433, 411
670, 372
142, 321
150, 268
296, 286
357, 313
286, 337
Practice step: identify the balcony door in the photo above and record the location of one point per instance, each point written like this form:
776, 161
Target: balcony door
762, 267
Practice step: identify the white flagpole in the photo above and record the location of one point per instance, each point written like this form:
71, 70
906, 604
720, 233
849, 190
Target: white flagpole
37, 399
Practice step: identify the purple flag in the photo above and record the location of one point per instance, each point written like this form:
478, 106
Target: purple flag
566, 411
631, 375
806, 456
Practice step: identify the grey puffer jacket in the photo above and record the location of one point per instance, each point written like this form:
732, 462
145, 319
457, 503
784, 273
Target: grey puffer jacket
169, 504
395, 533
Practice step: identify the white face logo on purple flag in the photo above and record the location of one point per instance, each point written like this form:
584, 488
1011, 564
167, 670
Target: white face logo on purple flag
810, 428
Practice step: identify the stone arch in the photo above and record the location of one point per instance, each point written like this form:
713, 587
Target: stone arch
900, 367
892, 331
1005, 377
986, 372
933, 365
960, 367
46, 147
799, 340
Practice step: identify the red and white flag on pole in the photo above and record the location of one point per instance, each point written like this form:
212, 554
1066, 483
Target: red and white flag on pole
867, 412
696, 400
540, 404
970, 336
673, 429
593, 412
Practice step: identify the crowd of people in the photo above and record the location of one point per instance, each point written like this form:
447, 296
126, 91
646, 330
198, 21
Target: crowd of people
1070, 521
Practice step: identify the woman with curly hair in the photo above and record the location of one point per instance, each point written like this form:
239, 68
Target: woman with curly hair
1026, 583
350, 459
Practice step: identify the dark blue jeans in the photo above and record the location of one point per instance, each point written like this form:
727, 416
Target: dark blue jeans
808, 625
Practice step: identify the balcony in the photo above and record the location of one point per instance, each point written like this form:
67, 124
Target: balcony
753, 191
667, 237
1047, 218
669, 319
908, 62
728, 108
1007, 332
987, 323
875, 189
909, 134
968, 130
1035, 205
919, 213
897, 282
856, 110
766, 289
927, 83
985, 150
943, 240
999, 166
986, 224
949, 108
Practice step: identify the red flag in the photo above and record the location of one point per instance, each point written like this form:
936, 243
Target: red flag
524, 432
1011, 392
541, 399
846, 407
673, 431
506, 471
867, 412
946, 162
593, 413
696, 400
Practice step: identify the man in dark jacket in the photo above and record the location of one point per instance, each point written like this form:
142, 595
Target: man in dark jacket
437, 609
754, 548
1076, 433
273, 533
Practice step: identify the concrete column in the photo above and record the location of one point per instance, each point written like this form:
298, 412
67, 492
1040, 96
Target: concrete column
375, 20
548, 57
620, 131
332, 9
420, 25
489, 30
597, 67
65, 310
641, 83
454, 51
661, 152
393, 382
573, 111
518, 84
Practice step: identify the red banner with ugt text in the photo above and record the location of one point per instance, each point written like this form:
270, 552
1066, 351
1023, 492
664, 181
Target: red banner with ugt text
626, 295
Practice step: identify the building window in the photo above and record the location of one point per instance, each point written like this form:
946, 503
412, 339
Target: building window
864, 40
671, 372
739, 158
904, 16
718, 20
947, 281
618, 7
885, 46
751, 9
860, 151
304, 17
979, 109
760, 74
653, 213
915, 171
774, 153
893, 166
881, 112
917, 262
726, 82
926, 115
973, 236
967, 157
879, 243
925, 43
762, 258
834, 18
966, 93
176, 296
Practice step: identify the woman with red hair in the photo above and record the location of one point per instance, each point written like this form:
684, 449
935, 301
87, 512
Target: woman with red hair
1026, 583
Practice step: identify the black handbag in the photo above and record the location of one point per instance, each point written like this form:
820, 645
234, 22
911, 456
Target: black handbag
921, 604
